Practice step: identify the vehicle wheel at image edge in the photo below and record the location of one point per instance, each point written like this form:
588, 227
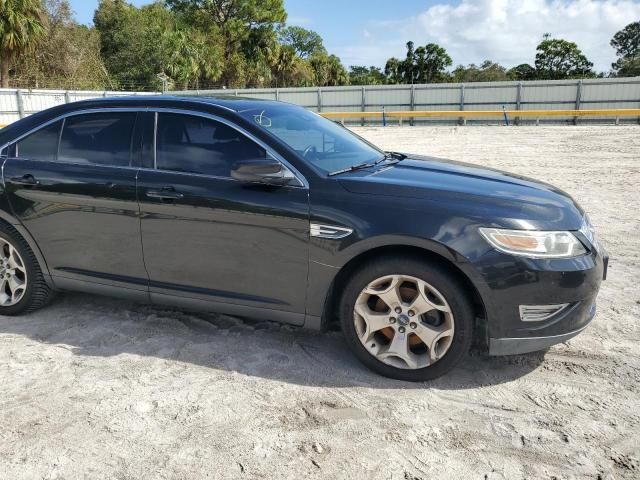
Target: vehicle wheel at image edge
22, 285
406, 318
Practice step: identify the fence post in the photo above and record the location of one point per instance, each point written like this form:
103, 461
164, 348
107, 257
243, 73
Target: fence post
364, 103
277, 95
578, 100
462, 120
413, 104
319, 99
516, 121
67, 97
20, 102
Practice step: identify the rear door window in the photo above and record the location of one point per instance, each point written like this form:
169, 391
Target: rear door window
41, 145
98, 138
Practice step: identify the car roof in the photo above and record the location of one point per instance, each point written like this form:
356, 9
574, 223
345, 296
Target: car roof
228, 102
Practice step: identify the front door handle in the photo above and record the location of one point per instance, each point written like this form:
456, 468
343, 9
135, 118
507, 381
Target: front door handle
28, 180
164, 194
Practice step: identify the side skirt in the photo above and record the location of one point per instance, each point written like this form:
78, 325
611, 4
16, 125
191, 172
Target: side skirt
297, 319
229, 309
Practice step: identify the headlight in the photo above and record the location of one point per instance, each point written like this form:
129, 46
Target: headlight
536, 244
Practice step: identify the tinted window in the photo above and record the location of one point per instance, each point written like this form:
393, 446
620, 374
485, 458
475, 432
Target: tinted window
193, 144
98, 138
41, 145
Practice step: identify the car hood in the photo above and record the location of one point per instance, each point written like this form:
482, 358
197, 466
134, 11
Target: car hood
513, 201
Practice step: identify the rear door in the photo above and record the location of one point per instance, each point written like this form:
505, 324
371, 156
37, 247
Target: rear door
72, 184
208, 237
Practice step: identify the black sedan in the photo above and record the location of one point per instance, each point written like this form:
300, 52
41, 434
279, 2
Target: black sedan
264, 209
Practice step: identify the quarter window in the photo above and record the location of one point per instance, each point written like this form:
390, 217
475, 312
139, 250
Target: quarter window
98, 138
187, 143
41, 145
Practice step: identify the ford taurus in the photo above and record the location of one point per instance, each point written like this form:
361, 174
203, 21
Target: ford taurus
264, 209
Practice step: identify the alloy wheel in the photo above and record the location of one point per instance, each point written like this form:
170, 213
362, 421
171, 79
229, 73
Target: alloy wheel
13, 275
403, 321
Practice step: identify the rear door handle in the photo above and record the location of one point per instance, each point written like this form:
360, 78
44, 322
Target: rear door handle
27, 179
164, 194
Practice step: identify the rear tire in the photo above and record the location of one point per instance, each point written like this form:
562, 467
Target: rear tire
406, 318
22, 285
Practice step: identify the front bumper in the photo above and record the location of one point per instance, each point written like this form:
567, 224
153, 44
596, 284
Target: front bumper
514, 346
511, 282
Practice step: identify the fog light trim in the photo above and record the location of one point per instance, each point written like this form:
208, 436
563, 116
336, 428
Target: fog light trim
539, 313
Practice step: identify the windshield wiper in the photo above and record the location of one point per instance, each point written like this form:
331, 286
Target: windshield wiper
353, 168
396, 157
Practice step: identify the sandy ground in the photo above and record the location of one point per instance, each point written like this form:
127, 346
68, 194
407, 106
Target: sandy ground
101, 388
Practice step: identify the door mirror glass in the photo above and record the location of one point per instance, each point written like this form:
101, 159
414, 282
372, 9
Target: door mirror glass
265, 171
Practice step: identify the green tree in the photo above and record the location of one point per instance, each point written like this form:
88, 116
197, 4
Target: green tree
360, 75
137, 44
305, 42
626, 42
232, 21
421, 65
260, 53
487, 72
22, 25
291, 70
328, 70
628, 67
186, 57
557, 59
431, 62
393, 70
409, 64
524, 71
67, 57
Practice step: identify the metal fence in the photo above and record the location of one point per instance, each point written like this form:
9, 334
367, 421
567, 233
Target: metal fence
16, 104
622, 93
615, 93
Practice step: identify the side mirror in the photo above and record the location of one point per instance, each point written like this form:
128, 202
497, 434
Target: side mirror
266, 171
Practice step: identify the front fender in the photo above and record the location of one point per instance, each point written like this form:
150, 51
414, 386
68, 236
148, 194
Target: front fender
324, 269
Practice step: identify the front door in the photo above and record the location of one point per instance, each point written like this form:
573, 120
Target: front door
73, 186
211, 238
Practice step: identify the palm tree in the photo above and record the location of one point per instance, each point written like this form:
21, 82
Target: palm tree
22, 24
287, 66
393, 70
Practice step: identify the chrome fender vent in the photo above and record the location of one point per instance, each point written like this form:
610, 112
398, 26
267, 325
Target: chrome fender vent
329, 231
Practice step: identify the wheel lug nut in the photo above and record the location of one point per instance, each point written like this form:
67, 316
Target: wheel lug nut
398, 310
401, 329
392, 320
411, 313
413, 325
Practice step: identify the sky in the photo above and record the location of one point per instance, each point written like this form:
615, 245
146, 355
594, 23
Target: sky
368, 32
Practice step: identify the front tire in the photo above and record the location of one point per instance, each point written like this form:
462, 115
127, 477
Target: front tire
406, 318
22, 285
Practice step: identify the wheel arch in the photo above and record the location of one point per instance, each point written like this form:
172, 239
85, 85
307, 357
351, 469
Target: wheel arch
332, 298
14, 224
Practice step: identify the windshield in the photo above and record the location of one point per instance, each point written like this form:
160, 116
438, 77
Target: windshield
323, 143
